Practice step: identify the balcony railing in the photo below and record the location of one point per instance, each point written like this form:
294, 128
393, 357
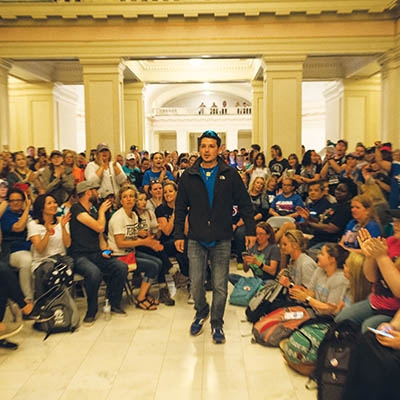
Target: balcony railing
201, 111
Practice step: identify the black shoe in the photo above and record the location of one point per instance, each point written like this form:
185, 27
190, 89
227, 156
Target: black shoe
89, 321
165, 297
5, 344
119, 311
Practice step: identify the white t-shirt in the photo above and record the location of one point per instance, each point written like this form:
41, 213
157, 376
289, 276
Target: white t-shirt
54, 246
121, 224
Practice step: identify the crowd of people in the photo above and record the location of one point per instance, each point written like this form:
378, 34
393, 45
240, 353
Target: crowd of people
332, 223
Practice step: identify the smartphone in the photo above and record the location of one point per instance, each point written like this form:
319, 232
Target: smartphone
245, 253
382, 333
293, 315
107, 252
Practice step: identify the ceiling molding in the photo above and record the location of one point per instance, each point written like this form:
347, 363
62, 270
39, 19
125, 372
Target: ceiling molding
161, 9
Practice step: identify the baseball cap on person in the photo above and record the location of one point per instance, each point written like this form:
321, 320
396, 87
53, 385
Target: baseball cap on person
210, 134
81, 187
130, 156
56, 153
102, 146
3, 183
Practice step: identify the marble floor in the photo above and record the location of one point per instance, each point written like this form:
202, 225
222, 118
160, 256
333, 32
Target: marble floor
148, 355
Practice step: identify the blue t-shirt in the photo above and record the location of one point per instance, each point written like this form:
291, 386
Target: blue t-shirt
286, 205
351, 233
149, 175
17, 239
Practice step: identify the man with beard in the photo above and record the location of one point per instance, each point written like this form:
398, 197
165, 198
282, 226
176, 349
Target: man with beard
87, 248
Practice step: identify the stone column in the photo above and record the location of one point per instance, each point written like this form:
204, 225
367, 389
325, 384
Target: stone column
4, 110
390, 104
282, 83
259, 135
104, 108
361, 111
134, 114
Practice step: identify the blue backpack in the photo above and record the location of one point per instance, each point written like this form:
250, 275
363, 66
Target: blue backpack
244, 290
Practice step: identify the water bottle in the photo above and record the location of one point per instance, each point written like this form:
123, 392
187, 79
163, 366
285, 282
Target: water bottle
107, 310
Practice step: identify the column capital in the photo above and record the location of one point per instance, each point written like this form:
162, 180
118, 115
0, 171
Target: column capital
110, 65
283, 63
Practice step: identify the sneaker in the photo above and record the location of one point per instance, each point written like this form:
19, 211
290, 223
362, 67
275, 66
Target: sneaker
89, 321
197, 325
165, 297
181, 280
190, 299
10, 329
239, 266
218, 336
119, 312
5, 344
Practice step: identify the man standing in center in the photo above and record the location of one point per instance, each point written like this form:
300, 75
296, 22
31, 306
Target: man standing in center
207, 192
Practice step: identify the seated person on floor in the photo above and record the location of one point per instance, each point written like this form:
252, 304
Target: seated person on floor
328, 283
263, 258
259, 201
385, 277
375, 364
285, 204
364, 216
330, 224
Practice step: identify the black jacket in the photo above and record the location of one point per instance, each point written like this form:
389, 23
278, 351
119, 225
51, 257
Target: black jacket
211, 223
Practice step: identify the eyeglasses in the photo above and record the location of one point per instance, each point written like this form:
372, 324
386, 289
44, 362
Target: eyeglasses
153, 181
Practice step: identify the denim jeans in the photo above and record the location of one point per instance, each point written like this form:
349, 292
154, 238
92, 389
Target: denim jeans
219, 256
363, 314
149, 265
92, 267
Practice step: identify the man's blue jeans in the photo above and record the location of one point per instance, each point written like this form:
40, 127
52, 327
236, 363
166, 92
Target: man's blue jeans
219, 256
92, 267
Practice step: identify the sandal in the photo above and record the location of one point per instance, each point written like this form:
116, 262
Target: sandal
152, 300
145, 304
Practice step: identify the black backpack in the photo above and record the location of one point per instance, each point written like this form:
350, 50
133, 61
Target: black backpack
261, 303
333, 362
56, 311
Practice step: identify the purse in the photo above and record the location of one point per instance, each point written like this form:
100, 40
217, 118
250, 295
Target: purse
130, 260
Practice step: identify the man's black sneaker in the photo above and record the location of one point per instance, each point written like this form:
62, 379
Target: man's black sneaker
197, 325
89, 321
218, 336
5, 344
119, 311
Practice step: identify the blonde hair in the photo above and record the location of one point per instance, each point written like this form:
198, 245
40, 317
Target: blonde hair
360, 288
124, 189
296, 236
366, 201
374, 192
251, 185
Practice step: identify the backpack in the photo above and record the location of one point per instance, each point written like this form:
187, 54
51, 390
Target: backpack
300, 350
60, 274
260, 304
244, 290
57, 312
334, 359
279, 324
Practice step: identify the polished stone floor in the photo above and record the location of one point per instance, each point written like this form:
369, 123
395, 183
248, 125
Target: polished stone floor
148, 355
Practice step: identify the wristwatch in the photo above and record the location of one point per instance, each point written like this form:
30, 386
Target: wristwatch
308, 298
291, 284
